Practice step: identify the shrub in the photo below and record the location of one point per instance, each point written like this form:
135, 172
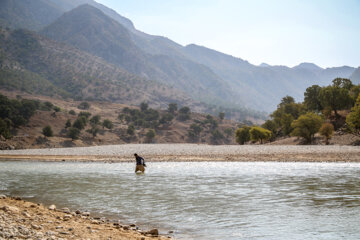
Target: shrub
68, 123
80, 123
306, 126
5, 129
57, 109
108, 124
131, 129
353, 118
84, 106
242, 135
73, 133
221, 116
95, 120
47, 131
47, 106
172, 108
326, 130
72, 112
259, 133
144, 106
150, 135
84, 114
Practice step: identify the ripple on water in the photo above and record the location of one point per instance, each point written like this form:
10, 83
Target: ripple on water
204, 200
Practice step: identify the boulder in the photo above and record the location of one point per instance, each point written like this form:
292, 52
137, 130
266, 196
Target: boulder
153, 232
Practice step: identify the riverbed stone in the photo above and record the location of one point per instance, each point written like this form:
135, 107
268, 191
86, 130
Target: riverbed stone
2, 196
65, 210
153, 232
52, 207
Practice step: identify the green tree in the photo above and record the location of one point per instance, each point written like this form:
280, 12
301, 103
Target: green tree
326, 130
108, 124
93, 130
73, 133
47, 131
80, 123
131, 129
353, 118
228, 131
72, 112
84, 106
68, 123
57, 109
95, 120
286, 121
311, 98
166, 118
84, 114
259, 134
144, 106
150, 135
184, 114
306, 126
5, 129
242, 135
172, 108
271, 126
343, 83
335, 98
221, 115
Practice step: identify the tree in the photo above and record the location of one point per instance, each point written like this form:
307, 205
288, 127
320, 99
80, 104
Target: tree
80, 123
287, 100
57, 109
166, 118
144, 106
259, 133
150, 135
72, 112
335, 98
242, 135
353, 118
184, 114
216, 135
84, 106
311, 98
172, 108
84, 114
5, 129
68, 123
93, 130
343, 83
73, 133
131, 129
286, 121
194, 131
221, 115
306, 126
47, 131
271, 126
95, 120
326, 130
108, 124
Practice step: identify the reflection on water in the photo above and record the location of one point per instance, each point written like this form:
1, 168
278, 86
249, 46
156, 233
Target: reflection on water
206, 200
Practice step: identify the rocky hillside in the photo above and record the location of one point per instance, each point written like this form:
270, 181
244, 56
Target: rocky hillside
34, 64
193, 128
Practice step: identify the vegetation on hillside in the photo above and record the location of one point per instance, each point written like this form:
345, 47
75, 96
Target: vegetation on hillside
319, 113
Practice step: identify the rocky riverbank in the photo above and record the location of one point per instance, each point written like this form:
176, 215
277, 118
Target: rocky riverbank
21, 219
190, 152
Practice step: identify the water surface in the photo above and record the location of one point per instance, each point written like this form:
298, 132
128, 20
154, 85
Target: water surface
206, 200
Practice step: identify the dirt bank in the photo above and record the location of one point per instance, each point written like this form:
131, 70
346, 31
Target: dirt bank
20, 219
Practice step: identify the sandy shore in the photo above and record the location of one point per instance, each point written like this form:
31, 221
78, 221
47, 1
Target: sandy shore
190, 152
21, 219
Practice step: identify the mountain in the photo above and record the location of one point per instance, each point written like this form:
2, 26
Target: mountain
29, 14
263, 87
89, 29
204, 74
355, 77
34, 64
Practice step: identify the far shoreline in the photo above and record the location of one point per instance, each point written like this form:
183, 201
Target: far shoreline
189, 153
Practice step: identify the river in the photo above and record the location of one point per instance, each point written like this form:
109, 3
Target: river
203, 200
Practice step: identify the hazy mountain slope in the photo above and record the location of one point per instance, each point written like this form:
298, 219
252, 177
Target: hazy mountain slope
264, 86
355, 77
89, 29
29, 14
73, 73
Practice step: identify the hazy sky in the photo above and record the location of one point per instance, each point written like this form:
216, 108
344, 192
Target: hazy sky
277, 32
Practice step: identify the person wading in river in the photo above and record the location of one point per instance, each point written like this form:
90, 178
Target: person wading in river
140, 163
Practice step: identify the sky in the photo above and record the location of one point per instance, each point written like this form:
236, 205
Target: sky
276, 32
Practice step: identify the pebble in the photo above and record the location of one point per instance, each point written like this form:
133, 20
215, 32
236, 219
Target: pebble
153, 232
86, 214
52, 207
65, 210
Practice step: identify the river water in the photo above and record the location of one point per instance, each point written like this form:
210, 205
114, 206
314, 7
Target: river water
203, 200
